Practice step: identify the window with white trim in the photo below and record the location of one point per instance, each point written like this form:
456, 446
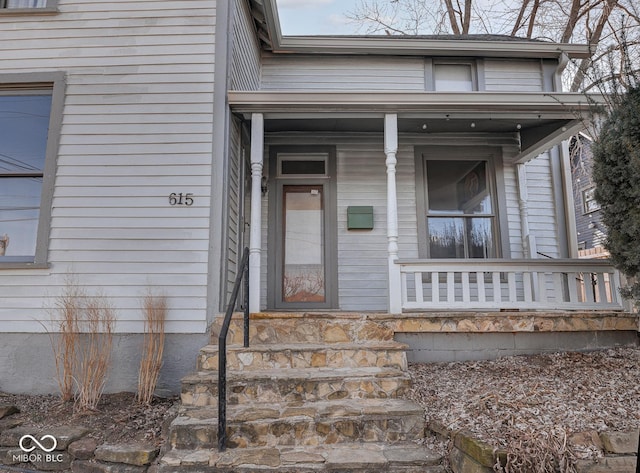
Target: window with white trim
28, 136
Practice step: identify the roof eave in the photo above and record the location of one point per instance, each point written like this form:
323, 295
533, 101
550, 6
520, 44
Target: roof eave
410, 46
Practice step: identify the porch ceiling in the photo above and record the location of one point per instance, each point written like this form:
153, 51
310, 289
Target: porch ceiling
539, 120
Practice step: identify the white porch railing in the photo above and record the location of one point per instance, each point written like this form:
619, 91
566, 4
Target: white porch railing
493, 284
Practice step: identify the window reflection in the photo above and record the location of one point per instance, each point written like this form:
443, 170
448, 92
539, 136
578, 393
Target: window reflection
460, 211
24, 121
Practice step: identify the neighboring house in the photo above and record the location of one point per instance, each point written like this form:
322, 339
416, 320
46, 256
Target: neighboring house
590, 230
145, 143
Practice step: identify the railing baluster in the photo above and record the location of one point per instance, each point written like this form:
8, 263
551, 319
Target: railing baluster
511, 280
572, 280
602, 289
417, 278
528, 289
589, 287
466, 293
435, 287
451, 287
480, 281
497, 287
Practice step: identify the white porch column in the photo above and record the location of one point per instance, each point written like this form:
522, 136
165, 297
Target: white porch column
390, 150
255, 243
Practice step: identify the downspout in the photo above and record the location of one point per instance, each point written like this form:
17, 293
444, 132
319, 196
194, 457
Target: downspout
219, 159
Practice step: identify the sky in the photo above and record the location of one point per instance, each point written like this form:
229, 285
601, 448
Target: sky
312, 17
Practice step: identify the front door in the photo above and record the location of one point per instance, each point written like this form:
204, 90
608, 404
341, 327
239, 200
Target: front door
301, 255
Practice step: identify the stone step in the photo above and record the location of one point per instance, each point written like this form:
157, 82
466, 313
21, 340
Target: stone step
304, 424
350, 457
321, 328
306, 355
295, 385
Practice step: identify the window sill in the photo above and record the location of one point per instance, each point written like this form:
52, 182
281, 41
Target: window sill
28, 11
22, 265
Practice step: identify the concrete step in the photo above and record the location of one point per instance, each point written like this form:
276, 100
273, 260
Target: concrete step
304, 424
320, 328
307, 355
349, 457
295, 385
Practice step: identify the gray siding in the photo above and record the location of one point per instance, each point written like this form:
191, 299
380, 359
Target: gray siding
388, 73
136, 126
513, 75
245, 57
361, 180
234, 207
342, 73
542, 209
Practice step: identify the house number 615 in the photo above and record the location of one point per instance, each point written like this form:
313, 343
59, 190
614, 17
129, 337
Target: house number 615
181, 199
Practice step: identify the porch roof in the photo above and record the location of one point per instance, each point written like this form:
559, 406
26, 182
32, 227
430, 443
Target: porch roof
540, 120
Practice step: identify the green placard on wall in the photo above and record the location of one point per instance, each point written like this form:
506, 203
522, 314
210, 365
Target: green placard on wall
360, 217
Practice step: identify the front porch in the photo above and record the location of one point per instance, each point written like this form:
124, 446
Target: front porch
497, 236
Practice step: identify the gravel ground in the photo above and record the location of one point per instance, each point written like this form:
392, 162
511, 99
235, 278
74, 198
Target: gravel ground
514, 401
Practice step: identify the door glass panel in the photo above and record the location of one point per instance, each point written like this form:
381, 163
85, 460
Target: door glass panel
304, 272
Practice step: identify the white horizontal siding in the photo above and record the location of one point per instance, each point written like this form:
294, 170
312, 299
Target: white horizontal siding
542, 209
513, 75
136, 126
342, 73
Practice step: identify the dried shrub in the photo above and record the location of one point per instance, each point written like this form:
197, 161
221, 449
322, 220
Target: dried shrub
94, 351
64, 339
154, 308
539, 452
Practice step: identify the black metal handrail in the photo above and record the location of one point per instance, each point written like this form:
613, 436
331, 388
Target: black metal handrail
243, 273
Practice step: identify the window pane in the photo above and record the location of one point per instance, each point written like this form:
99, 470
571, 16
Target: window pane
446, 237
19, 212
24, 124
303, 276
480, 238
453, 77
26, 3
458, 187
303, 167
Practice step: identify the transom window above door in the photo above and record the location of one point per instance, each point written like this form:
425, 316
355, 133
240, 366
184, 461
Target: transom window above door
460, 209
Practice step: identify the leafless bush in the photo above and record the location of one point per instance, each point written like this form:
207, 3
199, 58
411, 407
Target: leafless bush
155, 313
94, 351
64, 338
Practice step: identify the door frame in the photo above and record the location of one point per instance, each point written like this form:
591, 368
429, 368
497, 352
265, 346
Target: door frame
275, 226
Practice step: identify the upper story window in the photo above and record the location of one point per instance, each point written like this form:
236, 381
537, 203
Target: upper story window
26, 6
454, 77
29, 124
589, 202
